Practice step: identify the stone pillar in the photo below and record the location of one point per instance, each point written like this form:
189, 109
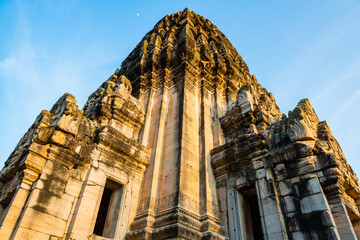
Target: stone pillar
179, 180
13, 211
207, 183
159, 190
50, 202
84, 215
234, 231
273, 224
342, 220
33, 163
189, 174
315, 220
356, 225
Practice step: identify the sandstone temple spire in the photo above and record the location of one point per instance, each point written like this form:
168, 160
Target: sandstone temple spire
181, 142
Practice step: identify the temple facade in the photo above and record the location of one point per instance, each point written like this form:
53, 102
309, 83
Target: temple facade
181, 142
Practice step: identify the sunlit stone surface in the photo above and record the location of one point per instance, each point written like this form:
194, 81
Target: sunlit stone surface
181, 142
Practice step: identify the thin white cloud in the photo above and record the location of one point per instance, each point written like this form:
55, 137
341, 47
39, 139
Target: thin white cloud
344, 76
7, 63
309, 68
318, 51
327, 90
340, 111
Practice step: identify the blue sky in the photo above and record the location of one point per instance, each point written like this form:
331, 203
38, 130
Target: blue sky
297, 49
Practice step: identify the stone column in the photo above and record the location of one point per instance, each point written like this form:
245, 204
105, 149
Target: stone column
84, 215
315, 219
273, 224
11, 214
342, 220
234, 232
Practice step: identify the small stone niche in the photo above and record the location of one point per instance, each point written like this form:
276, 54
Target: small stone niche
109, 210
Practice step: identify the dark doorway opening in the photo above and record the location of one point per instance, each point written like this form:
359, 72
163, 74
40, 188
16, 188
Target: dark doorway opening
109, 209
255, 217
249, 215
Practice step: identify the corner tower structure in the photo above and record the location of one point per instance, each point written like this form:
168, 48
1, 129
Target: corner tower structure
181, 142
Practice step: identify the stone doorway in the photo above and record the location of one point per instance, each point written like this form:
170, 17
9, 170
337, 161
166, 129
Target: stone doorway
108, 213
249, 219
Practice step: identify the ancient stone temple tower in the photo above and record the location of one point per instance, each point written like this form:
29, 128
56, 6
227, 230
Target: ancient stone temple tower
181, 142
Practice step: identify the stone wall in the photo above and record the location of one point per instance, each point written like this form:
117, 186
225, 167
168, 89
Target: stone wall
182, 142
304, 187
53, 182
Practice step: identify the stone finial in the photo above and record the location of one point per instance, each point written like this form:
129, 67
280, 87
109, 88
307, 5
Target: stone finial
67, 115
302, 122
125, 87
245, 98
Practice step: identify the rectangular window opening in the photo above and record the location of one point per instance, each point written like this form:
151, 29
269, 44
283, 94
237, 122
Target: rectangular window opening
249, 217
109, 209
